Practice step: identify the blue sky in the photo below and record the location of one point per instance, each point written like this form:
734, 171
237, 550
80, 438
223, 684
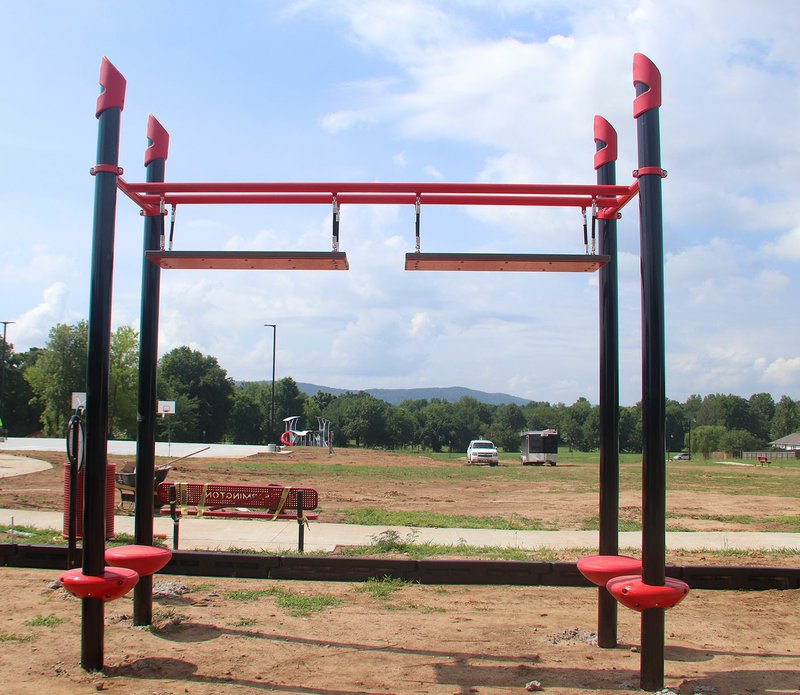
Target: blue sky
496, 91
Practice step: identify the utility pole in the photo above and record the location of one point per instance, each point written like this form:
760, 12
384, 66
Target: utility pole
3, 374
272, 408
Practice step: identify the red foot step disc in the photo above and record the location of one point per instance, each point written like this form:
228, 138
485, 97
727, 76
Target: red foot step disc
599, 569
115, 582
631, 591
142, 559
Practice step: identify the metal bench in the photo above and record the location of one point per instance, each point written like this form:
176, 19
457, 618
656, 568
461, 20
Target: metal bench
763, 461
214, 500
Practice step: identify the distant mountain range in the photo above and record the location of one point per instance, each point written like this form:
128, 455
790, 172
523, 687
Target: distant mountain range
397, 396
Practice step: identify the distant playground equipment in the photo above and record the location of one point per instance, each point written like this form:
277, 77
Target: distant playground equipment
321, 437
539, 447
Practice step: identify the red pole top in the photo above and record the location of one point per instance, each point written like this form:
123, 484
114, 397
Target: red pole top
113, 88
157, 141
604, 134
646, 73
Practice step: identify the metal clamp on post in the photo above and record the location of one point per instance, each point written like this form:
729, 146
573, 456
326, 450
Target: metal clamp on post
642, 171
106, 169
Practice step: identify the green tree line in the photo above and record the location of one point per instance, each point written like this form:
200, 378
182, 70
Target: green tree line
211, 407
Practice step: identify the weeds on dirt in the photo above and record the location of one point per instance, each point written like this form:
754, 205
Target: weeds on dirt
45, 621
390, 542
296, 604
301, 605
247, 594
34, 536
383, 589
243, 622
164, 618
593, 524
14, 637
48, 536
371, 516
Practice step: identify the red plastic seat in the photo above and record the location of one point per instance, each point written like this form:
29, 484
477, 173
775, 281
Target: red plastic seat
599, 569
115, 582
142, 559
631, 591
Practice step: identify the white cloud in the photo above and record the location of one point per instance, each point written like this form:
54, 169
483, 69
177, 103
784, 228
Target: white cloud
33, 326
421, 326
786, 247
433, 172
344, 120
783, 372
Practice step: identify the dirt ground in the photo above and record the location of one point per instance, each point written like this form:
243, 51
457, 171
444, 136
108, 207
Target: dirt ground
420, 639
407, 639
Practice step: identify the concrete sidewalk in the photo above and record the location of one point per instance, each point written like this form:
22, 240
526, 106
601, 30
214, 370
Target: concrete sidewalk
128, 448
277, 536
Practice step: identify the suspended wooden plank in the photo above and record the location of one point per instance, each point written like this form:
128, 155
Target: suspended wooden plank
249, 260
508, 262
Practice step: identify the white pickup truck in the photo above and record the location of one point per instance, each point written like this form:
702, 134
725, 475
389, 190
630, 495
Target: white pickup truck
482, 451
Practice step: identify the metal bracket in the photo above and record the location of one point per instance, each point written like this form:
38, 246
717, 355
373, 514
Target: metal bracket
642, 171
106, 169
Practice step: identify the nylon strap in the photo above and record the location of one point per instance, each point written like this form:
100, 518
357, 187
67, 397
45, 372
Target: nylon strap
182, 490
282, 502
201, 505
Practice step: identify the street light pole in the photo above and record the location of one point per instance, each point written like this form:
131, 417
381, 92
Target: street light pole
272, 408
3, 374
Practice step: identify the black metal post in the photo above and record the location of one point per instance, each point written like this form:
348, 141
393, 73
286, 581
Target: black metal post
109, 114
155, 163
647, 81
301, 532
605, 163
75, 448
272, 407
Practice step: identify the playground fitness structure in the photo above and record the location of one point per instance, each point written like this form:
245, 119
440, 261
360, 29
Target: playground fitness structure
605, 199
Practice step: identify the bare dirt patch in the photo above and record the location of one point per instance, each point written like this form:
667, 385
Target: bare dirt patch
421, 639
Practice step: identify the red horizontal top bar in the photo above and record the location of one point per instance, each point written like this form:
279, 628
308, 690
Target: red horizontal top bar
373, 199
380, 187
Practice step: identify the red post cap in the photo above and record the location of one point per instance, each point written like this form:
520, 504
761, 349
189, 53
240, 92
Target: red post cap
646, 73
604, 133
157, 141
113, 88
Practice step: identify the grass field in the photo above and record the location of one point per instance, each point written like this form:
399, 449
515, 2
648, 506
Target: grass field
577, 471
424, 489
